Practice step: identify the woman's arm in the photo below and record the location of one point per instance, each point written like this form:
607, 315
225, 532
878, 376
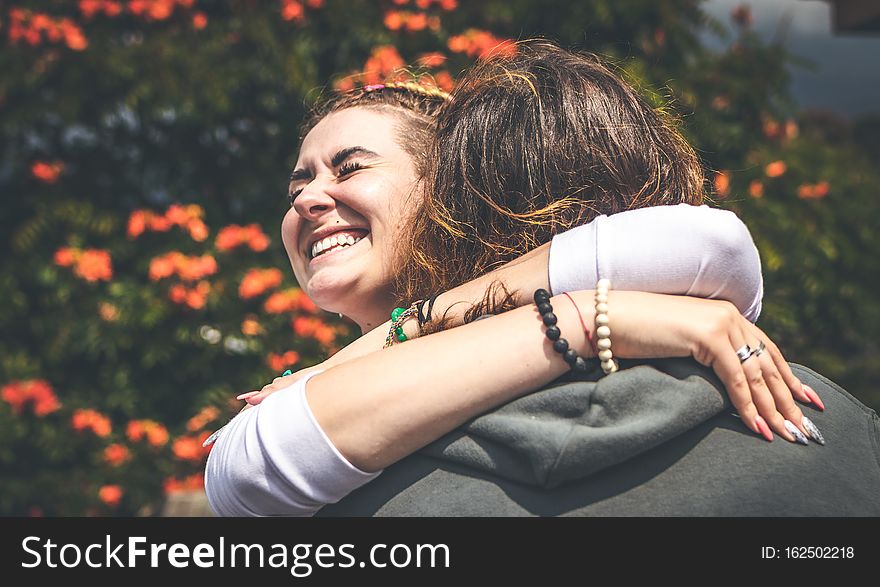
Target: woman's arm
379, 408
685, 250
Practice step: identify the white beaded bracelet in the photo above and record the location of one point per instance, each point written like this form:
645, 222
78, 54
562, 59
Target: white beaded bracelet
603, 331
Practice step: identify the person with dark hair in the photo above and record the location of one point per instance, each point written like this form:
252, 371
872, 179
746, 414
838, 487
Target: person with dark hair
414, 408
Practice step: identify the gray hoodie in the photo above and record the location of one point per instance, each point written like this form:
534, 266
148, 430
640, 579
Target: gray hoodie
655, 439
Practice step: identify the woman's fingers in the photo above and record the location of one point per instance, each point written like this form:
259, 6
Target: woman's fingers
782, 395
726, 365
794, 384
255, 397
763, 398
749, 375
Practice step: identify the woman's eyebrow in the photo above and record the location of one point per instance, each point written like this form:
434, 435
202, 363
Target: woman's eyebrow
336, 161
344, 154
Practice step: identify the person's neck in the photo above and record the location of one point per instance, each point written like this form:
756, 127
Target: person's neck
370, 315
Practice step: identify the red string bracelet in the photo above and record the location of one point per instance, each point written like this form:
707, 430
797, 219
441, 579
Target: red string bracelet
581, 318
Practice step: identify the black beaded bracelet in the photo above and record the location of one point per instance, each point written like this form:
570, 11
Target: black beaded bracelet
560, 345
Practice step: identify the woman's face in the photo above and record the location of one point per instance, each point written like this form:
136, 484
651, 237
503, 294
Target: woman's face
351, 192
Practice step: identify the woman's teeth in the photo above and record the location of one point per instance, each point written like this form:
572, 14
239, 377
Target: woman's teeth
332, 243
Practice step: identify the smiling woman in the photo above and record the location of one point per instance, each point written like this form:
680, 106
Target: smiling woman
351, 197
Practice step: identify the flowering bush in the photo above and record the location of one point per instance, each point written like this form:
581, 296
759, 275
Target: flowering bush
144, 150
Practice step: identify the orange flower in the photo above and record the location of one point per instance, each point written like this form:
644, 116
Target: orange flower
161, 267
193, 482
417, 22
292, 10
89, 8
791, 129
775, 169
722, 183
814, 191
481, 44
160, 223
155, 433
228, 238
207, 415
250, 327
257, 281
189, 448
197, 297
73, 35
314, 328
194, 268
177, 293
756, 189
93, 420
289, 300
36, 391
448, 4
305, 303
94, 265
135, 430
234, 235
444, 80
393, 20
66, 256
197, 229
47, 172
383, 61
281, 362
195, 300
116, 454
137, 223
160, 9
110, 495
112, 8
176, 214
199, 20
256, 238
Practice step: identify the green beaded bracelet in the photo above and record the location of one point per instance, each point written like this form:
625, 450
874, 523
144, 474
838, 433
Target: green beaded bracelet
398, 315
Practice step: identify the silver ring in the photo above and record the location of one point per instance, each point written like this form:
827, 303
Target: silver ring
760, 348
744, 352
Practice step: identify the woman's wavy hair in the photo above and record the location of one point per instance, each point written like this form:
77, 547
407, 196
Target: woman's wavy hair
531, 145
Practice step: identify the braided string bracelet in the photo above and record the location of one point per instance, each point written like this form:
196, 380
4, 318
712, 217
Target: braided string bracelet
398, 316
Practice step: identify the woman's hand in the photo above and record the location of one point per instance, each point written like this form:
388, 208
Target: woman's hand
282, 382
762, 387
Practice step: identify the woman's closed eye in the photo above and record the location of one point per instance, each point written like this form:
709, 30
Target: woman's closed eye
345, 170
348, 168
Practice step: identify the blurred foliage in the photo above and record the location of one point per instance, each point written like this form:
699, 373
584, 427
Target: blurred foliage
143, 160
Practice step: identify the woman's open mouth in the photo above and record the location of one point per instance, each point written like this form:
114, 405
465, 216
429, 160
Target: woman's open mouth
337, 242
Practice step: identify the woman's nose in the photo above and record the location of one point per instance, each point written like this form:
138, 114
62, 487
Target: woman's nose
313, 201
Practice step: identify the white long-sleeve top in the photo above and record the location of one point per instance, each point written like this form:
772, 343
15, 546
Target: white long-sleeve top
275, 459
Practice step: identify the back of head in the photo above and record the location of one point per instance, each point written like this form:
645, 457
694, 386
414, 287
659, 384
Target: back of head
530, 145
